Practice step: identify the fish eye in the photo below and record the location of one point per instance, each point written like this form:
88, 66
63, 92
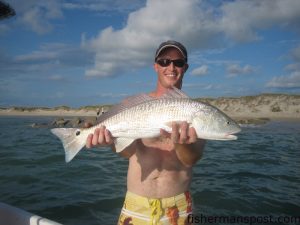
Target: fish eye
77, 132
228, 122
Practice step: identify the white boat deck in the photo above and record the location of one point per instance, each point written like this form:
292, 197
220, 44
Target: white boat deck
10, 215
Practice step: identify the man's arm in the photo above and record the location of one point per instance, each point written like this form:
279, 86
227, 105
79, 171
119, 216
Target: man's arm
189, 154
188, 148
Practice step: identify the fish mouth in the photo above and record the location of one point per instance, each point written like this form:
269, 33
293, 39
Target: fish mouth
230, 137
221, 137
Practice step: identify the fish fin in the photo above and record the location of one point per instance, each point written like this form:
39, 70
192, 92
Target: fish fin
72, 143
121, 143
136, 99
125, 104
174, 93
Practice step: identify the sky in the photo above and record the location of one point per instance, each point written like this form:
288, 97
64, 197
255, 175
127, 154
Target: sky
90, 52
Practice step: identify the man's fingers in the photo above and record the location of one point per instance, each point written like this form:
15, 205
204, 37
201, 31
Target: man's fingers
101, 138
175, 133
108, 137
183, 133
192, 135
95, 136
89, 141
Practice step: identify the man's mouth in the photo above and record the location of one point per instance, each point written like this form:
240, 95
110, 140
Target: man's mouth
171, 75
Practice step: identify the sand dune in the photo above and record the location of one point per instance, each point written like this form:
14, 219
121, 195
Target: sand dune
273, 106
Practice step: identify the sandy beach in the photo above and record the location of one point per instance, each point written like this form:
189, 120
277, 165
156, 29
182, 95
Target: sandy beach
269, 106
265, 106
48, 112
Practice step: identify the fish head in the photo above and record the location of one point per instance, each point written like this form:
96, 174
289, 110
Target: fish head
211, 123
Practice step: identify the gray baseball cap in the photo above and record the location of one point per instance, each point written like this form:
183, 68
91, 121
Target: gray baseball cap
172, 44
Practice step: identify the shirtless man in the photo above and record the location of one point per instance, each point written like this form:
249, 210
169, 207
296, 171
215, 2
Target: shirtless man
160, 169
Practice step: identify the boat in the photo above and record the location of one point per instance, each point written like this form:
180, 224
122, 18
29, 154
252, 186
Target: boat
10, 215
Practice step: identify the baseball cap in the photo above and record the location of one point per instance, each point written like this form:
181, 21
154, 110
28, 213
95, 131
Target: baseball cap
171, 44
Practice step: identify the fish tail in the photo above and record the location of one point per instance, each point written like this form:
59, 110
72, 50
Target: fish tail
72, 141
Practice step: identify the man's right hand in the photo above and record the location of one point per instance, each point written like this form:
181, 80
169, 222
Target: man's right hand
100, 137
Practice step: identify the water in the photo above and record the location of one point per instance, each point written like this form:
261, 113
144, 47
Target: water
257, 175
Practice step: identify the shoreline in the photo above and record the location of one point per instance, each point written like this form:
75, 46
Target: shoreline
50, 113
243, 118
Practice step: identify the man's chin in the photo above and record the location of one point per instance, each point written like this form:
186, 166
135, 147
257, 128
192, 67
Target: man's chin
172, 84
172, 80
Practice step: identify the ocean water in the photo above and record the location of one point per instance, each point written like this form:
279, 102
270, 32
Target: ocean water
256, 176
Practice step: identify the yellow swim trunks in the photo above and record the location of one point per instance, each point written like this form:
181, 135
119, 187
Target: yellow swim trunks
138, 210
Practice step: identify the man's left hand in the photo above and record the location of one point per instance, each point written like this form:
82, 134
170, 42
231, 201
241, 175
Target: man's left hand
181, 133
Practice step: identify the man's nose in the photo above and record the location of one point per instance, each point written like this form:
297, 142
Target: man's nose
172, 66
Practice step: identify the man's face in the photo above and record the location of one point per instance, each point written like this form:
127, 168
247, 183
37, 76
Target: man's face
171, 75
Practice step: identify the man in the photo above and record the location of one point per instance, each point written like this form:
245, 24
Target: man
160, 169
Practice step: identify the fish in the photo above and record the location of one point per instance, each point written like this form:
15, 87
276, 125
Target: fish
143, 116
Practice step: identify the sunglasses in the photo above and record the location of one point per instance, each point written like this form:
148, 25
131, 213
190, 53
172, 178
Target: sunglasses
166, 62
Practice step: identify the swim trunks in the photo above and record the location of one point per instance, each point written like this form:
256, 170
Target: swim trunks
138, 210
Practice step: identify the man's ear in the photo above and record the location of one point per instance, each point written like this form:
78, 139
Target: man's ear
155, 67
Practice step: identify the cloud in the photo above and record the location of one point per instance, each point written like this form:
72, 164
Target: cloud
113, 95
287, 81
241, 19
49, 57
291, 80
200, 86
37, 15
57, 78
200, 71
295, 56
295, 53
134, 45
104, 5
195, 23
293, 66
4, 28
235, 70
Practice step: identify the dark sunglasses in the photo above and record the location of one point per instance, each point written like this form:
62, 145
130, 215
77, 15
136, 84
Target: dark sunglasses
166, 62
